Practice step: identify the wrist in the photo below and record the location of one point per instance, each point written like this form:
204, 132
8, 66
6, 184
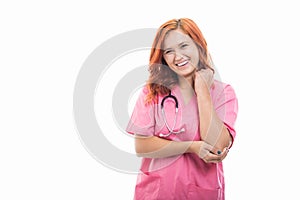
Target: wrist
202, 90
193, 147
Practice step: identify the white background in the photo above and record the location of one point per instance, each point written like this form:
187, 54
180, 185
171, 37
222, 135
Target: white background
255, 46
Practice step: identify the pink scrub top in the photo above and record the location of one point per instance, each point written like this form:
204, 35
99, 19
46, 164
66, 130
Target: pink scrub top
184, 176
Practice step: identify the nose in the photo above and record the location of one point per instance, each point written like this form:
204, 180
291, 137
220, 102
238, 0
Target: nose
178, 55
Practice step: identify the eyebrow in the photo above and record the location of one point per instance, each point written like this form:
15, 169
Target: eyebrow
181, 43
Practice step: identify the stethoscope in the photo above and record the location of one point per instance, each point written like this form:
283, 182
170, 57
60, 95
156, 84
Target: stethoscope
171, 130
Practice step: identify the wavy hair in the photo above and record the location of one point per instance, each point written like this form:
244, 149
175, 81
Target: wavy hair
162, 78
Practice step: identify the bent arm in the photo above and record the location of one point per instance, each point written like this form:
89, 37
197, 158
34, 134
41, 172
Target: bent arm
212, 129
156, 147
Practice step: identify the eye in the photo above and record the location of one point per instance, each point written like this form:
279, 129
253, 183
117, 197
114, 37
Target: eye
169, 51
183, 46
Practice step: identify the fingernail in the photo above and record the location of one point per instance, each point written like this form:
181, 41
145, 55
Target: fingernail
227, 149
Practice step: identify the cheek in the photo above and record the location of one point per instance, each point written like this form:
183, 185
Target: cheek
193, 52
168, 59
195, 56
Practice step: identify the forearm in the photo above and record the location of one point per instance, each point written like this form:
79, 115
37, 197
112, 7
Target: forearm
212, 129
155, 147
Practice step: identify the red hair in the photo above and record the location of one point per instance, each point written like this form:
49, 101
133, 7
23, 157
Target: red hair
162, 78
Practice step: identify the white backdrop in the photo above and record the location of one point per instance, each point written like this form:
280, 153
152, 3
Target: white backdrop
254, 44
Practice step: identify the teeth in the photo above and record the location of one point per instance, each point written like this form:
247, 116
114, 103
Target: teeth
181, 64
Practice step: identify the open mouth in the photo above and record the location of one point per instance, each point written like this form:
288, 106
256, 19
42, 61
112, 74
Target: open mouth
182, 63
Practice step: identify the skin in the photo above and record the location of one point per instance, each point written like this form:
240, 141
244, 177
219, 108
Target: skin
181, 55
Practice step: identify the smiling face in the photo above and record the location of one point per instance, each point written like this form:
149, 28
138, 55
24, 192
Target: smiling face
180, 53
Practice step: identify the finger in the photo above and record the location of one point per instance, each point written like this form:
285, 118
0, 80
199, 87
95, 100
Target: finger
205, 74
211, 69
210, 158
210, 152
198, 73
203, 153
205, 149
216, 151
213, 158
224, 153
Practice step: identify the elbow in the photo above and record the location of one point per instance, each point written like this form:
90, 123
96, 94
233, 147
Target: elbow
142, 146
140, 155
225, 140
139, 150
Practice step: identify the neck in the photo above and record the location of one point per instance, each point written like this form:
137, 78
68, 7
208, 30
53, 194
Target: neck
186, 82
186, 88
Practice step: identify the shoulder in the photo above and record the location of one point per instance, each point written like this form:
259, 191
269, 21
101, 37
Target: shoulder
144, 95
145, 90
222, 88
219, 84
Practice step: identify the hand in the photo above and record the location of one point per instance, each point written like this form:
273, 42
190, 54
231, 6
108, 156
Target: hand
215, 158
208, 153
203, 78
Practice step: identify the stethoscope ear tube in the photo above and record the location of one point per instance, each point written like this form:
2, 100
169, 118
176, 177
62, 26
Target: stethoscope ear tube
169, 96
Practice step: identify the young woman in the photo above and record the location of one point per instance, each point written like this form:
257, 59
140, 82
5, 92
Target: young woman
183, 120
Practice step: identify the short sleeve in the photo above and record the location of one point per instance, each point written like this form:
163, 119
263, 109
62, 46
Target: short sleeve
142, 120
226, 107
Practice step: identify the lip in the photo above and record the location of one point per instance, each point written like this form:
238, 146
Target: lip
182, 64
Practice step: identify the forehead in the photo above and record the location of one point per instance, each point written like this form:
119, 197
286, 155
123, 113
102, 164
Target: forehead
175, 37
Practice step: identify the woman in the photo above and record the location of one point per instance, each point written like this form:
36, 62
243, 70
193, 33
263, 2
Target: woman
182, 151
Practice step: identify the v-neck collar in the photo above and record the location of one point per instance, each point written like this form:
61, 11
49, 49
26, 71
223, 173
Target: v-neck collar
180, 97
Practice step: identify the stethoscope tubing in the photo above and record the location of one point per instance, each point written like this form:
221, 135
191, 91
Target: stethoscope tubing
171, 130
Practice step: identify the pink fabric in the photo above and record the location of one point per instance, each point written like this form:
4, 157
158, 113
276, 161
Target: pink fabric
185, 176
